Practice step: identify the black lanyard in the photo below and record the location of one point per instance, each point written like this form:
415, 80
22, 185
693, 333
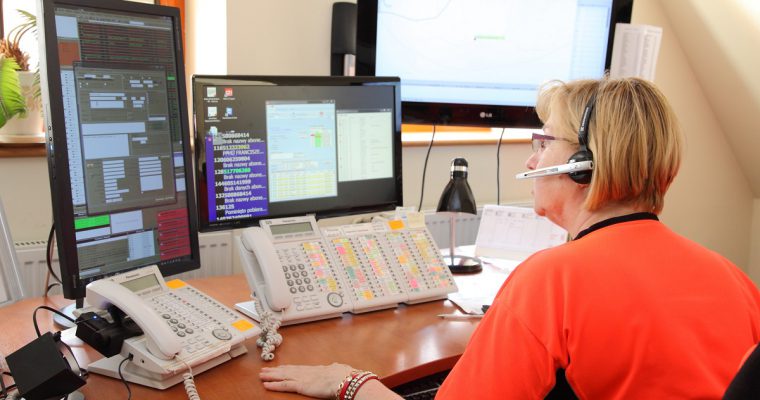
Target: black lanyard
616, 220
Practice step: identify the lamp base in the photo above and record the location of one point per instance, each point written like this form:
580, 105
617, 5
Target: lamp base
465, 265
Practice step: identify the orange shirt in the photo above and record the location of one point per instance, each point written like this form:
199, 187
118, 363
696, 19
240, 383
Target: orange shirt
629, 311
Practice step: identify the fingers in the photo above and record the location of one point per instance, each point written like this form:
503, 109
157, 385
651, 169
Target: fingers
273, 374
281, 386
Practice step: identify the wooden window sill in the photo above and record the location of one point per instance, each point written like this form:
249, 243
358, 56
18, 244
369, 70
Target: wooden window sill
420, 135
22, 145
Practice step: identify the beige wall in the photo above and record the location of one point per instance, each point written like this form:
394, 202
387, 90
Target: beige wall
710, 202
754, 260
25, 190
284, 37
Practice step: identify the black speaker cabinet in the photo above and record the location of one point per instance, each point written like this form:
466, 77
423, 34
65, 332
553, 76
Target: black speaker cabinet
343, 39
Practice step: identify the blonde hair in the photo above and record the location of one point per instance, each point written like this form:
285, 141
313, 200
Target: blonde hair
633, 134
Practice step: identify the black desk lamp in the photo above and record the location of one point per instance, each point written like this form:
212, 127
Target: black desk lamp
457, 197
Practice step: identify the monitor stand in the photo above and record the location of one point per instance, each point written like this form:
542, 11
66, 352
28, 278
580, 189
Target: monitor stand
69, 311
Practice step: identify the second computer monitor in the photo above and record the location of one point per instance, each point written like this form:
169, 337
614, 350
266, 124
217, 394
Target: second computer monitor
269, 146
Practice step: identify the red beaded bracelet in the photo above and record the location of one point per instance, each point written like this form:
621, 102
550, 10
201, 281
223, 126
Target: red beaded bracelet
359, 383
351, 384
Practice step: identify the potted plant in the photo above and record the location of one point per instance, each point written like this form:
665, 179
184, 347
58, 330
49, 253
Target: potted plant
19, 87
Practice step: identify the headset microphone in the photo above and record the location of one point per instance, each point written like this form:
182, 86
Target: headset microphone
580, 165
577, 166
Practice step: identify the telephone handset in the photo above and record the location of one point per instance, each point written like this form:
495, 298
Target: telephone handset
182, 327
271, 283
160, 340
291, 271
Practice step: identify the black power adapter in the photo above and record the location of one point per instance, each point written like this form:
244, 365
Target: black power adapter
106, 334
42, 370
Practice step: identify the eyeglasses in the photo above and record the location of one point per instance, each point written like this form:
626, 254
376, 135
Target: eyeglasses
540, 141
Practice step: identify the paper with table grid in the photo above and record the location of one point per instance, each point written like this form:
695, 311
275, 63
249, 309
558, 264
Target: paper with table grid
515, 232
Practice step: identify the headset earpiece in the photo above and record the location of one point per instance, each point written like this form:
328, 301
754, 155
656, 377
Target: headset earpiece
584, 154
581, 177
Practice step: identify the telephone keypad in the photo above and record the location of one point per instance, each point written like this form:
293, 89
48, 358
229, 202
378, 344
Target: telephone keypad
196, 321
309, 275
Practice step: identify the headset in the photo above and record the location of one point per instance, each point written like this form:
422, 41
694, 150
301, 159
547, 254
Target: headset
580, 165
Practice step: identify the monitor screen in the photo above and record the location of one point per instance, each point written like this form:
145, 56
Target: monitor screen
481, 62
269, 146
117, 139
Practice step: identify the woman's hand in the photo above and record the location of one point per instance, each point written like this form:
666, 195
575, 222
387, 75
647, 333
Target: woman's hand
319, 381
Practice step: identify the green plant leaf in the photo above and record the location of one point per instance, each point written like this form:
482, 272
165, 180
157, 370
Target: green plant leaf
12, 103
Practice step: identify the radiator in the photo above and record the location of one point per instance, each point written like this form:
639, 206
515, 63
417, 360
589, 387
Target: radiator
466, 229
216, 259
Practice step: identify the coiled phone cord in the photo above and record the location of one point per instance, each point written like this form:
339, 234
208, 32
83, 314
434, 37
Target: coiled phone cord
269, 338
189, 382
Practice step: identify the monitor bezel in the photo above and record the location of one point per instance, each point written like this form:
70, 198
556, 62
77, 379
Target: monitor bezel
276, 80
57, 146
440, 113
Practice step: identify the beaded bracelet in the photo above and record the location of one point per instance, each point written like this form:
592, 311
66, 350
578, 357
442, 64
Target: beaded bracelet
357, 384
343, 385
351, 383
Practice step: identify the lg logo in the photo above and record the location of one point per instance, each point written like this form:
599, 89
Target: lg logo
484, 114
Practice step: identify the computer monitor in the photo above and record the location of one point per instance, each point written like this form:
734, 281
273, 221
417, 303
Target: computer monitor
276, 146
118, 140
481, 62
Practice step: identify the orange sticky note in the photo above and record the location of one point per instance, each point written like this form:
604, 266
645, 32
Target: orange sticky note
242, 325
396, 224
176, 284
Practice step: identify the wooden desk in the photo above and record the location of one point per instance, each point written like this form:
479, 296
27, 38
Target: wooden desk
400, 344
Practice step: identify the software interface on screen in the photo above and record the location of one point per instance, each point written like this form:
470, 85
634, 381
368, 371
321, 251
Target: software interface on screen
120, 100
275, 150
489, 52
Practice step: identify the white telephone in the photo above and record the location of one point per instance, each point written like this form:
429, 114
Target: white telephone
182, 327
290, 271
308, 274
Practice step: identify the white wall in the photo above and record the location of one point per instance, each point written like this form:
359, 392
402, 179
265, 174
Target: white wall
482, 173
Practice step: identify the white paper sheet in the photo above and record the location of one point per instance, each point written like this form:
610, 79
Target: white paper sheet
635, 50
509, 232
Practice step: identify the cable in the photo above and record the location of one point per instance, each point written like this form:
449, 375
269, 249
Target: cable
7, 395
49, 287
498, 170
49, 258
129, 390
189, 382
269, 339
49, 261
424, 169
3, 389
34, 317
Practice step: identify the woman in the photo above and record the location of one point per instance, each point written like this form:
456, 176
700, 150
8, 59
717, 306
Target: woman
627, 309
